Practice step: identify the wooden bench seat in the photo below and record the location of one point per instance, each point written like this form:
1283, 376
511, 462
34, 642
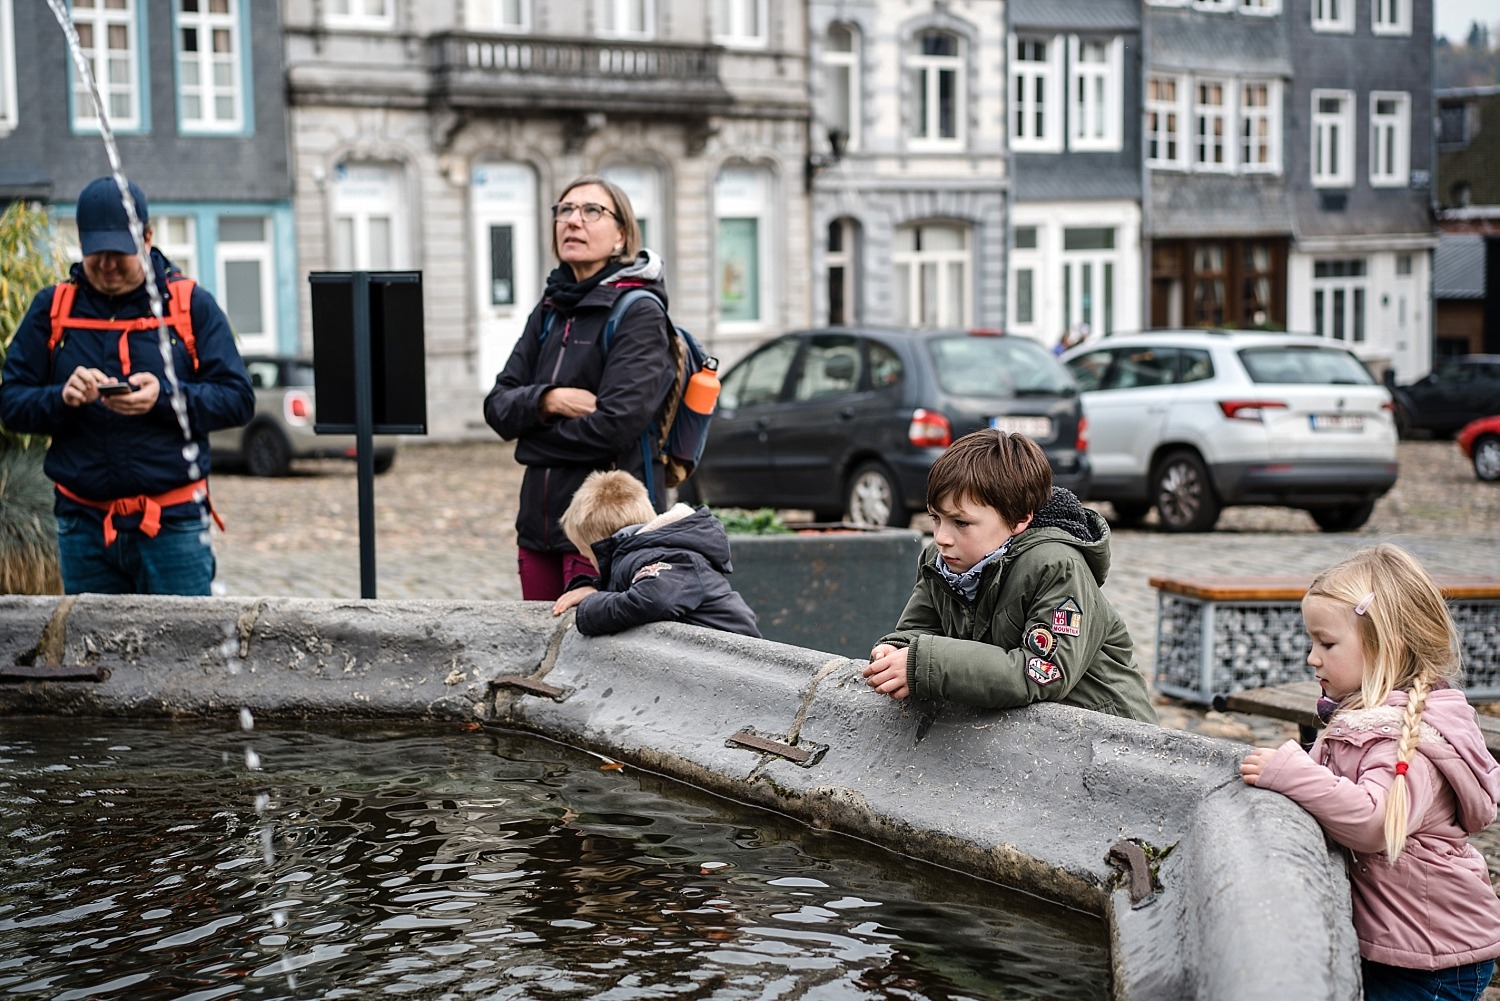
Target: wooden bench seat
1292, 588
1297, 703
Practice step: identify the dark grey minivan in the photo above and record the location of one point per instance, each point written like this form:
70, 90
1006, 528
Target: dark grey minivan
846, 422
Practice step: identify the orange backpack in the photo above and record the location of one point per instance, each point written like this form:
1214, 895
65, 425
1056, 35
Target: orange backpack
179, 318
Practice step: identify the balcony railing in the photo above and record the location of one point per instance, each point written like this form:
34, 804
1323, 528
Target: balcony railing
488, 70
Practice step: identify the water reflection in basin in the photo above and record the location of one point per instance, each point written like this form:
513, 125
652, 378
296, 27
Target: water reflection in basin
434, 863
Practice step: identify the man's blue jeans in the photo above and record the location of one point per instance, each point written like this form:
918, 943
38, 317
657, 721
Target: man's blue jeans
179, 560
1457, 983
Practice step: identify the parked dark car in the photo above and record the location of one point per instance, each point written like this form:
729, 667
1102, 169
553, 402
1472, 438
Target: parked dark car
282, 428
1455, 392
847, 422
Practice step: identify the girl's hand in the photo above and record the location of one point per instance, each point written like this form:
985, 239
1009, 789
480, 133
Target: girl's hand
571, 598
1254, 764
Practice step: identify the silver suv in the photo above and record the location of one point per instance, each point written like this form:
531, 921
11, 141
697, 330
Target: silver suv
1193, 421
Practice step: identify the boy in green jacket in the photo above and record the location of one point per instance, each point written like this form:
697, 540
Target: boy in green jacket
1007, 609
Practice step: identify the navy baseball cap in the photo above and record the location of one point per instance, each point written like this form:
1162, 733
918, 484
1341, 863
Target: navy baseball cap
102, 221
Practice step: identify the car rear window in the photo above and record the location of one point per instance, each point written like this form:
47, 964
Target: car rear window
997, 366
1305, 365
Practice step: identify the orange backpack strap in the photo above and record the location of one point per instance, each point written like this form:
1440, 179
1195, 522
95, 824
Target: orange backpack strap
180, 314
62, 306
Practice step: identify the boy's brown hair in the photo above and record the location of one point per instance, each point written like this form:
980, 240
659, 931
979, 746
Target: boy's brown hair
606, 502
1008, 472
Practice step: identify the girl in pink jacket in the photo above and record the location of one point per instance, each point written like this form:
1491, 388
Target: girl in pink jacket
1400, 777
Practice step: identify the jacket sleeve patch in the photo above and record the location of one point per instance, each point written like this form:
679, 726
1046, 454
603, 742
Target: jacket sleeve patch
1039, 640
1043, 672
649, 570
1067, 618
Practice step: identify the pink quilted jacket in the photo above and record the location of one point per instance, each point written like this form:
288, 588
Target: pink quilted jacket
1434, 908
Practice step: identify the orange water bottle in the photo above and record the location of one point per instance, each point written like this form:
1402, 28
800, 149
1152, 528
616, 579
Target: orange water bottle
703, 388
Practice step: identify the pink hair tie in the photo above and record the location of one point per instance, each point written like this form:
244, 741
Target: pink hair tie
1401, 767
1364, 604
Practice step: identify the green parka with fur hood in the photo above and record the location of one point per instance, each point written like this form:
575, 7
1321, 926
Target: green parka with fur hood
1038, 630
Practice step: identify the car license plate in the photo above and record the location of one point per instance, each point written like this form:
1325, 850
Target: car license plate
1039, 428
1337, 422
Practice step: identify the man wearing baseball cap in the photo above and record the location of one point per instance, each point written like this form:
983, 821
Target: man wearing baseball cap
86, 367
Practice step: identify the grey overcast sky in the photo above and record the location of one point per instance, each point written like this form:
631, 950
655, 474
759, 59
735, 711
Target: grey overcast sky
1452, 17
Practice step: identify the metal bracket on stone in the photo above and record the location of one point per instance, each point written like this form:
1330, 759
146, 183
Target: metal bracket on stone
532, 687
805, 755
1129, 857
78, 672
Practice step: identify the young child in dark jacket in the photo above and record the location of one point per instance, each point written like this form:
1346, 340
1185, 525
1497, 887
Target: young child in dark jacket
1007, 609
652, 567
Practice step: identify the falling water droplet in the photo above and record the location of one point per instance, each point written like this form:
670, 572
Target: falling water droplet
247, 721
278, 918
262, 800
252, 760
266, 851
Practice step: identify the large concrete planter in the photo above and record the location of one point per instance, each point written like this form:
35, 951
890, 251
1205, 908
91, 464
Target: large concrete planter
835, 588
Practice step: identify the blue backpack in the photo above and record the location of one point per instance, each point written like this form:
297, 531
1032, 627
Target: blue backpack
679, 433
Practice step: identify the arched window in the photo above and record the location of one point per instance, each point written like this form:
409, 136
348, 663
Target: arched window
935, 69
932, 275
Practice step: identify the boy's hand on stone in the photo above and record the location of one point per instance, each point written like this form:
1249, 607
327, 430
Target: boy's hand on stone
572, 598
1254, 764
887, 672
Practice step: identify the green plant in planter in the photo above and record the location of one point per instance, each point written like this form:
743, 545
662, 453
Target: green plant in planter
762, 522
30, 260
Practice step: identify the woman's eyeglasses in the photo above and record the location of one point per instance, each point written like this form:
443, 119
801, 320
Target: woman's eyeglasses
590, 211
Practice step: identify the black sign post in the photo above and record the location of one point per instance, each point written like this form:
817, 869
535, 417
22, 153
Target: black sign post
369, 373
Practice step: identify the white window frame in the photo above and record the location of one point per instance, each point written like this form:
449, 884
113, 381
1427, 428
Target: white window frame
613, 13
925, 74
845, 63
204, 62
181, 248
1224, 114
742, 24
1390, 17
263, 253
1342, 298
1025, 76
1095, 111
1096, 272
99, 21
492, 15
1333, 136
1390, 167
370, 15
741, 192
1336, 16
1248, 116
1167, 3
1260, 8
909, 266
1164, 111
1026, 259
377, 193
9, 116
1214, 5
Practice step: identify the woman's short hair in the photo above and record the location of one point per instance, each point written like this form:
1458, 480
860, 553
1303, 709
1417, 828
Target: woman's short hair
1007, 472
630, 230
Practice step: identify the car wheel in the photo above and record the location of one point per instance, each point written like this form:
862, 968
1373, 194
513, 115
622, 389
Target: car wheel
1185, 499
1130, 512
1487, 458
1344, 518
266, 452
384, 461
1403, 422
873, 498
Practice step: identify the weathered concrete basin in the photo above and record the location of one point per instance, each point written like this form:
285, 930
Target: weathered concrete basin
1247, 901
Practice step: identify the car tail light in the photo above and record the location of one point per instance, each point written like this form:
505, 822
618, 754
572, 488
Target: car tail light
297, 407
1249, 410
1081, 443
929, 429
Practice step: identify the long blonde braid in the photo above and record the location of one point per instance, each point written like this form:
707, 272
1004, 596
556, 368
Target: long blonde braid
1397, 802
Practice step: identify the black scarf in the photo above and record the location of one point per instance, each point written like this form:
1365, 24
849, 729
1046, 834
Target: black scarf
564, 292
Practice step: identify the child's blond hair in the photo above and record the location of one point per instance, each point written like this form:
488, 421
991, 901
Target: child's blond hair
606, 502
1409, 643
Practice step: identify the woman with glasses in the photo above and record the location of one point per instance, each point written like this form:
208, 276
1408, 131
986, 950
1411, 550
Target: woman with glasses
570, 405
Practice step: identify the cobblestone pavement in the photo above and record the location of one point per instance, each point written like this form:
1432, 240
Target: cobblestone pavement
444, 529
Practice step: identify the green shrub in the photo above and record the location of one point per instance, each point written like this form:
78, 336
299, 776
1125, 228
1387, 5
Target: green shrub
762, 522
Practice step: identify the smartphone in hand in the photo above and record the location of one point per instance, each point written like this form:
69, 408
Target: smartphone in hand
115, 388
